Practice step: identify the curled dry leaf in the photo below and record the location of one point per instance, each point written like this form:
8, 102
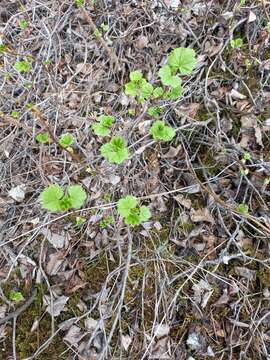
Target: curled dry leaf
18, 193
57, 306
125, 341
202, 215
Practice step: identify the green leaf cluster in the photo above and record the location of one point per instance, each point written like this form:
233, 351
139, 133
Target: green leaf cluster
160, 131
16, 296
54, 199
236, 43
66, 140
138, 87
133, 214
23, 66
43, 138
103, 126
116, 150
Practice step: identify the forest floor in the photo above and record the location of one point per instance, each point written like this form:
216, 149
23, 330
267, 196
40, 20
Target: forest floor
193, 281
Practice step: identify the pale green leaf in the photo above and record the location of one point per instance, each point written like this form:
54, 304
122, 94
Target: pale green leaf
51, 198
182, 59
77, 196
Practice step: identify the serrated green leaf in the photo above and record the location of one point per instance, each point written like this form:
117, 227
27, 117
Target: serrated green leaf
158, 92
146, 90
66, 140
43, 138
77, 196
51, 198
136, 75
182, 59
131, 89
16, 296
116, 150
126, 204
23, 66
100, 130
106, 120
243, 208
24, 24
154, 111
145, 213
132, 219
161, 131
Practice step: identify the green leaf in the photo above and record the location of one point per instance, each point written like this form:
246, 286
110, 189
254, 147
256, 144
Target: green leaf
131, 88
15, 114
136, 75
50, 198
77, 196
116, 150
43, 138
243, 208
133, 219
105, 27
16, 296
100, 130
24, 24
106, 120
158, 92
126, 204
145, 213
23, 66
174, 93
236, 43
161, 131
3, 48
80, 3
154, 111
182, 59
145, 91
66, 140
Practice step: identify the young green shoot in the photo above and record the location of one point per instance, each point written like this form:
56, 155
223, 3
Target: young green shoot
66, 140
116, 150
160, 131
236, 43
54, 199
43, 138
183, 60
138, 87
23, 66
16, 296
243, 209
103, 126
133, 214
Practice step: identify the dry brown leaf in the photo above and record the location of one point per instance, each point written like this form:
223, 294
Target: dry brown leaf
202, 215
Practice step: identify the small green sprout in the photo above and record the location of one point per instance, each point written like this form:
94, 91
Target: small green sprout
16, 296
154, 111
97, 34
47, 62
138, 87
80, 3
66, 140
15, 114
105, 27
268, 27
133, 214
116, 150
183, 60
3, 48
54, 199
106, 222
43, 138
132, 112
246, 157
23, 66
236, 43
167, 78
158, 92
80, 220
244, 172
243, 208
103, 126
24, 24
242, 2
160, 131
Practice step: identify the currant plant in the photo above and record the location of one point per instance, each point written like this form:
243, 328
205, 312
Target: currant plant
66, 140
161, 131
103, 126
43, 138
54, 199
138, 87
116, 150
133, 214
23, 66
